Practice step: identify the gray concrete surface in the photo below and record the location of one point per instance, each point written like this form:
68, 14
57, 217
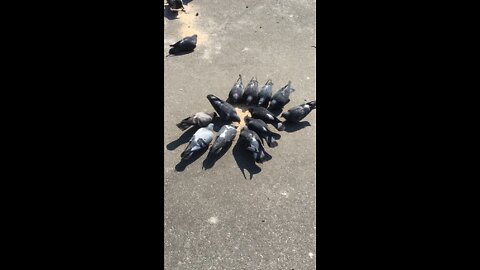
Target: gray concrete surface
215, 218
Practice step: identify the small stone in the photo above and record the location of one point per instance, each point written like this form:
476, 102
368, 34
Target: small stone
247, 6
196, 14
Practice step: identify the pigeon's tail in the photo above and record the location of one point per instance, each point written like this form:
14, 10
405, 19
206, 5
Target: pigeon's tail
312, 104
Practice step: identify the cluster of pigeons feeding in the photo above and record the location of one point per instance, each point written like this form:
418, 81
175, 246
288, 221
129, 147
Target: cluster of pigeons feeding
261, 103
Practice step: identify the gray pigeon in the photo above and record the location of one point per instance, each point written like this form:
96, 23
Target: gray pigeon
175, 5
186, 44
251, 92
297, 113
200, 119
200, 140
265, 94
225, 111
262, 130
236, 93
225, 136
281, 97
267, 117
250, 140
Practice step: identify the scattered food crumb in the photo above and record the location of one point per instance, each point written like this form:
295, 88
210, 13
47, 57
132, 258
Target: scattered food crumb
213, 220
310, 254
196, 14
263, 220
260, 27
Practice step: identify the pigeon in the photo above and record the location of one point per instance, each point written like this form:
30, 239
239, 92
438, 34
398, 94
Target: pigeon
200, 119
262, 130
225, 136
236, 92
265, 94
224, 109
175, 5
200, 140
267, 117
251, 141
297, 113
251, 91
187, 44
281, 97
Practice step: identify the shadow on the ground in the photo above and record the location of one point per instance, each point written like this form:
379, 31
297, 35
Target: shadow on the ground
211, 159
180, 167
245, 160
184, 138
179, 53
292, 127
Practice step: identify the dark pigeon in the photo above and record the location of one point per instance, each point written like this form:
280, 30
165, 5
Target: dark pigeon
297, 113
225, 136
251, 141
187, 44
236, 93
200, 119
251, 92
262, 130
265, 94
267, 117
175, 5
200, 140
224, 110
281, 97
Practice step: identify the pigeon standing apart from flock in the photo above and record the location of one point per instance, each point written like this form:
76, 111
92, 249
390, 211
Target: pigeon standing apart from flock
267, 117
281, 97
297, 113
265, 94
200, 140
236, 93
251, 92
251, 141
186, 44
225, 110
225, 136
175, 5
200, 119
262, 130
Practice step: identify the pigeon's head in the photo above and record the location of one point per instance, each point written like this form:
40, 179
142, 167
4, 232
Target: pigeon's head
247, 119
210, 126
285, 114
269, 82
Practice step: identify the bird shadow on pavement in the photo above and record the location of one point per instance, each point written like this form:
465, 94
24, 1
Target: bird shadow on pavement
245, 161
179, 53
180, 167
209, 162
184, 138
292, 127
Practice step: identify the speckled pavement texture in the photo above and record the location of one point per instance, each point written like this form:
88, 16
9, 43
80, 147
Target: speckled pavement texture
215, 217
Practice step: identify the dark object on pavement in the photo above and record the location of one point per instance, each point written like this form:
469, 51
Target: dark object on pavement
297, 113
224, 110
